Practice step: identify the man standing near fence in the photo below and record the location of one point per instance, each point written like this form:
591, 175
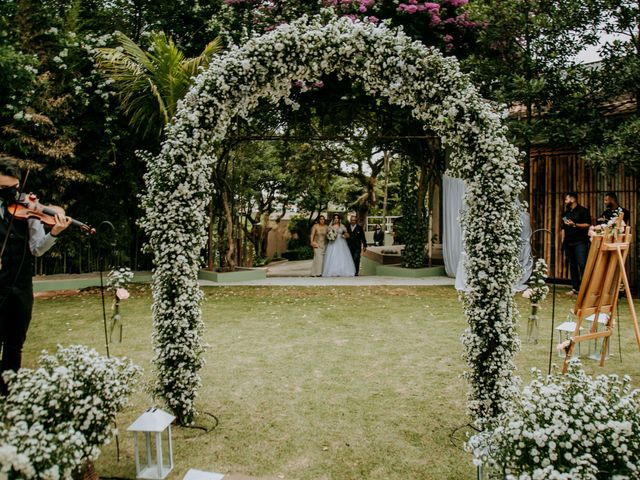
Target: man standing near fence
613, 210
576, 221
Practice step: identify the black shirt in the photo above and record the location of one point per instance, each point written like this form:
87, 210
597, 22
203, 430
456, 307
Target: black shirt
572, 234
609, 213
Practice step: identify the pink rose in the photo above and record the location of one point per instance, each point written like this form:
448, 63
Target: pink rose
527, 293
122, 293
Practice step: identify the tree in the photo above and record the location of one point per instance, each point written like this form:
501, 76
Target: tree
526, 57
151, 82
614, 141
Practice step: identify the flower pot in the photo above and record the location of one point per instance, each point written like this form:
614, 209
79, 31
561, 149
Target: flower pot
87, 472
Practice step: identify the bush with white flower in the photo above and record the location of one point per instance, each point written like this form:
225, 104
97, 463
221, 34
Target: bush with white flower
614, 226
536, 292
537, 289
117, 280
392, 67
55, 418
565, 427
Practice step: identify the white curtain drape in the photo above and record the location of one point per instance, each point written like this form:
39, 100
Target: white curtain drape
452, 193
452, 207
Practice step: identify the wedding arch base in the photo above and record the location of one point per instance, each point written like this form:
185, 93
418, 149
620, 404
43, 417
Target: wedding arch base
390, 66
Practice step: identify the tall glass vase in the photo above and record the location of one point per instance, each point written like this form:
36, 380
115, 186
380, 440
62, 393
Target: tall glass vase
532, 325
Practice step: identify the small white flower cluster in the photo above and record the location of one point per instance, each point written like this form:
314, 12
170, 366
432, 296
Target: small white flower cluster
57, 417
538, 289
119, 278
565, 427
611, 225
394, 68
331, 234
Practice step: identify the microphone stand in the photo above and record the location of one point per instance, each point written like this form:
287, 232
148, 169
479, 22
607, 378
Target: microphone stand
106, 223
100, 268
552, 269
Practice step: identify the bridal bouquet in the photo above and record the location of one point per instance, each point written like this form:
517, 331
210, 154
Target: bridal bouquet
331, 235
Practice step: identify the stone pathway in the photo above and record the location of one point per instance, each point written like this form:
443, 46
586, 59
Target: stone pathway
297, 274
337, 281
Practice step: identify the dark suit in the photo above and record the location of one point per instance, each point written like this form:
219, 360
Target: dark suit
16, 294
356, 242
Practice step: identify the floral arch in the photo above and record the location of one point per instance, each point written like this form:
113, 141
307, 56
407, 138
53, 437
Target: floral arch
389, 64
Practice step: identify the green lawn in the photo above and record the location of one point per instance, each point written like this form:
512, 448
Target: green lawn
315, 383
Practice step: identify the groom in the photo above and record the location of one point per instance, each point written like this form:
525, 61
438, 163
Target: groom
356, 241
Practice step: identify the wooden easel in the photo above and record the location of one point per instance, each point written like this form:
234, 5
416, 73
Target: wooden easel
600, 288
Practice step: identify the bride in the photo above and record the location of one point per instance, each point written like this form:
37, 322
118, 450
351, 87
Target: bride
337, 257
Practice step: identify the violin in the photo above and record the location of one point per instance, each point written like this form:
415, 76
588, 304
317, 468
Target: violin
27, 206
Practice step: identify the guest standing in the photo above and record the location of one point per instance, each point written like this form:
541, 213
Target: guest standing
378, 237
576, 221
319, 245
613, 209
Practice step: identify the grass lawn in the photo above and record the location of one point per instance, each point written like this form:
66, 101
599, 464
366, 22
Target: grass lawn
315, 383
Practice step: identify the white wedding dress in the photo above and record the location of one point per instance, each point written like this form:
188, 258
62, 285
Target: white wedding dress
337, 258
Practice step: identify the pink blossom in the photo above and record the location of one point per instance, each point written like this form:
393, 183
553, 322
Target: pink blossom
373, 19
527, 293
362, 9
456, 3
122, 293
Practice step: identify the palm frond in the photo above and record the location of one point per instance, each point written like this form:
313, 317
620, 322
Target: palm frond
151, 82
191, 65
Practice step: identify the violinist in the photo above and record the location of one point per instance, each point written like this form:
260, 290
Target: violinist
20, 241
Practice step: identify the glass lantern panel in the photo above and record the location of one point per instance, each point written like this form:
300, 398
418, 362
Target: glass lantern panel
166, 453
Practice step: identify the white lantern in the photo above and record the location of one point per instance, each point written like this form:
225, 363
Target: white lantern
153, 424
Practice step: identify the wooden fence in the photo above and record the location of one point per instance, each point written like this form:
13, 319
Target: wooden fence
552, 174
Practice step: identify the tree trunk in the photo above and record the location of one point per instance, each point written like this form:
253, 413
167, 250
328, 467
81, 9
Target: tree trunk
211, 236
230, 257
386, 190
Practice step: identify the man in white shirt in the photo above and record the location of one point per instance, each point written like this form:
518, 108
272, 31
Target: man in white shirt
20, 241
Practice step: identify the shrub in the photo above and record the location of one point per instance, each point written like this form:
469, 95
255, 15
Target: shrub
300, 230
57, 417
565, 427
